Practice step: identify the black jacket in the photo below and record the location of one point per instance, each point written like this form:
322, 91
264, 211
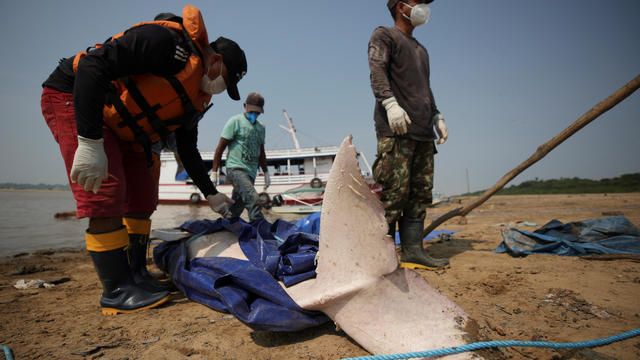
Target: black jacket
144, 49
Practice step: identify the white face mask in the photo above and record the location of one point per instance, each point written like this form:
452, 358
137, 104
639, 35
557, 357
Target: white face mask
419, 14
215, 86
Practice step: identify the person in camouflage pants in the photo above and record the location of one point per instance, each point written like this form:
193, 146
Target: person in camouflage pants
406, 121
404, 168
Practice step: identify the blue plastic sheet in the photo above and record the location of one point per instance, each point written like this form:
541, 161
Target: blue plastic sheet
279, 251
248, 289
611, 235
311, 224
182, 176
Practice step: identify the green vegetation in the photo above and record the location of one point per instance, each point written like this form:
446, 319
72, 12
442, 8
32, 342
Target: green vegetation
40, 186
626, 183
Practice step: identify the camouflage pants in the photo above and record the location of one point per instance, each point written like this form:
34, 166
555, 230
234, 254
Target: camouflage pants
404, 168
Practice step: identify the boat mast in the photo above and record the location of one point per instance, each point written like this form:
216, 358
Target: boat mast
291, 129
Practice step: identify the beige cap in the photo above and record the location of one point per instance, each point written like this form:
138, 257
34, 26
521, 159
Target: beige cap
392, 3
254, 103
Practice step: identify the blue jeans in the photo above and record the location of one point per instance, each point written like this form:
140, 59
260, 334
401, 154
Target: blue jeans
244, 195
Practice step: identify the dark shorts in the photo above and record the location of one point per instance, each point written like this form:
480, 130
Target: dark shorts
130, 187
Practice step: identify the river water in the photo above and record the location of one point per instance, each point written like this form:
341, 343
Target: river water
30, 225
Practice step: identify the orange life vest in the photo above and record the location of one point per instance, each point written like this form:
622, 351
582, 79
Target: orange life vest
146, 108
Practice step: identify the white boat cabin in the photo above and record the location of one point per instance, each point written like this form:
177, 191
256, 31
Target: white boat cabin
298, 170
290, 169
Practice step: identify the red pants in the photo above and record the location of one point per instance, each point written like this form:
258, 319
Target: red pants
130, 187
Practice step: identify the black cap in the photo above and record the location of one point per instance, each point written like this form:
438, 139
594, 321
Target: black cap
235, 61
392, 3
168, 17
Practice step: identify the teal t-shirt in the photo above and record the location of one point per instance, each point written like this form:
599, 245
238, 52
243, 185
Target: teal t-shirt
246, 140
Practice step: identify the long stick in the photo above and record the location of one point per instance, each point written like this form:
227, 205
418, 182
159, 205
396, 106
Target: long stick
543, 150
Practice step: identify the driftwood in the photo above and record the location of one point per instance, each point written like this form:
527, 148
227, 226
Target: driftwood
542, 150
64, 214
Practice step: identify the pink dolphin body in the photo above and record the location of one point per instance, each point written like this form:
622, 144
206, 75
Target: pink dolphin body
359, 285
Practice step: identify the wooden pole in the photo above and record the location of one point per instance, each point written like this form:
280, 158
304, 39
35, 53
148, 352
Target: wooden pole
542, 150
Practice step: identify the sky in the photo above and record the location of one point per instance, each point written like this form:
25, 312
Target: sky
507, 76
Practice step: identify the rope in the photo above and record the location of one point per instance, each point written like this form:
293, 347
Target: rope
8, 355
494, 344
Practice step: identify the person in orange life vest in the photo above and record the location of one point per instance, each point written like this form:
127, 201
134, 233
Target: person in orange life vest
106, 107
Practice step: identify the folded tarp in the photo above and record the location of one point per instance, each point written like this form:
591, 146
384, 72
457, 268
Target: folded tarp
247, 289
611, 235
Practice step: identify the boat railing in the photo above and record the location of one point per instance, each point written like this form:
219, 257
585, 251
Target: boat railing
289, 179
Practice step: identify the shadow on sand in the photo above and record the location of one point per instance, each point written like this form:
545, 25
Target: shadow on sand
448, 246
270, 339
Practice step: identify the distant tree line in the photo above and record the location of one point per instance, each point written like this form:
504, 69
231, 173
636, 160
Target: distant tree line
40, 186
626, 183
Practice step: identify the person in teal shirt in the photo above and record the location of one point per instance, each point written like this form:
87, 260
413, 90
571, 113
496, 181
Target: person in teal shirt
244, 135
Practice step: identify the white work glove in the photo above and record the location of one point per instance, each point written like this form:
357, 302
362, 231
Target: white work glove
219, 203
441, 128
267, 181
90, 164
215, 176
397, 117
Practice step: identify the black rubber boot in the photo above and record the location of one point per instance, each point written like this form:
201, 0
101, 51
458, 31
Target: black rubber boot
137, 252
120, 293
413, 255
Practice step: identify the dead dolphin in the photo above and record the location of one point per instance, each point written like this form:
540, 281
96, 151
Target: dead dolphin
359, 285
384, 308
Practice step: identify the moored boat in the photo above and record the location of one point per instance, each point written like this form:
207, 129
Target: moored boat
298, 175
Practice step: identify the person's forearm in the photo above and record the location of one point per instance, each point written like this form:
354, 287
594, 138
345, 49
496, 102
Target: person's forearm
217, 157
380, 83
263, 161
186, 144
434, 107
195, 169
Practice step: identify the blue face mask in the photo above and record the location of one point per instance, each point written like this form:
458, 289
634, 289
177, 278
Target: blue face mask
252, 117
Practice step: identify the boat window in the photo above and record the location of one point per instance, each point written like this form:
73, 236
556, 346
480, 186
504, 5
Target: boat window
279, 167
297, 166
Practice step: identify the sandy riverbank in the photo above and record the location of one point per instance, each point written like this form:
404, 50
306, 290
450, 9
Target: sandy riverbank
550, 298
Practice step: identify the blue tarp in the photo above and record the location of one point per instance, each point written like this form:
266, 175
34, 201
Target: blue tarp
310, 224
279, 251
611, 235
248, 289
